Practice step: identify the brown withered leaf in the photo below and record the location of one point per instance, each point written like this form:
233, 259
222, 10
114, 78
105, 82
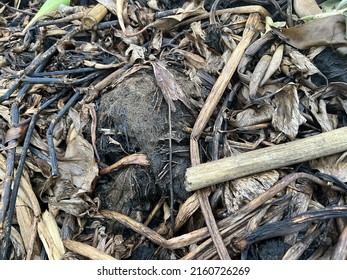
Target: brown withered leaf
251, 116
190, 8
5, 113
246, 189
16, 134
301, 62
170, 89
135, 53
327, 31
335, 165
326, 121
286, 117
75, 206
79, 164
194, 60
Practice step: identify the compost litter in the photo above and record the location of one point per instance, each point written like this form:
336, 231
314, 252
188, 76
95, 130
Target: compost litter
107, 108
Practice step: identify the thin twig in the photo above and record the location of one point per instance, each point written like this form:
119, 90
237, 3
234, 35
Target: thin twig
17, 179
53, 158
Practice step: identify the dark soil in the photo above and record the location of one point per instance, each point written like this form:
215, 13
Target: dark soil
137, 117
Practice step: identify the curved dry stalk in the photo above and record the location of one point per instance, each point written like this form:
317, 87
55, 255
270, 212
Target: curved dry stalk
211, 102
86, 250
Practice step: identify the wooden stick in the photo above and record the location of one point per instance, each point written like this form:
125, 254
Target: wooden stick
264, 159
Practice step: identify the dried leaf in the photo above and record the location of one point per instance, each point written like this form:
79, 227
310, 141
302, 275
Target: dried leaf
335, 165
258, 74
190, 8
194, 60
302, 63
326, 121
252, 116
306, 7
327, 31
274, 64
16, 134
18, 244
286, 117
137, 53
170, 89
79, 164
25, 218
49, 234
5, 113
248, 188
75, 206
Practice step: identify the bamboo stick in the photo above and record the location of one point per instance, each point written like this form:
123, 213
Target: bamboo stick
90, 20
237, 166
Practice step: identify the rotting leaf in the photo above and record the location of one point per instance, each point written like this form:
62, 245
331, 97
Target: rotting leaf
190, 8
79, 163
16, 133
286, 117
136, 53
246, 189
327, 31
302, 63
335, 165
326, 121
251, 116
168, 85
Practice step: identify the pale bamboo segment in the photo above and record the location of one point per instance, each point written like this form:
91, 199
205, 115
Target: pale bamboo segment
93, 18
240, 165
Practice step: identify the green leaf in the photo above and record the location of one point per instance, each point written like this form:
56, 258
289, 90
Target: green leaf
48, 7
342, 5
331, 5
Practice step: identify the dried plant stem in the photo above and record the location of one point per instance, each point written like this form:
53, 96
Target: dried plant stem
86, 250
9, 196
18, 176
296, 251
214, 172
252, 9
228, 225
340, 252
140, 159
51, 150
173, 243
205, 114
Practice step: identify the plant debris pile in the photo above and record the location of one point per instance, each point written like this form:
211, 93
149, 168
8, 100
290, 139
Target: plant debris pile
105, 105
